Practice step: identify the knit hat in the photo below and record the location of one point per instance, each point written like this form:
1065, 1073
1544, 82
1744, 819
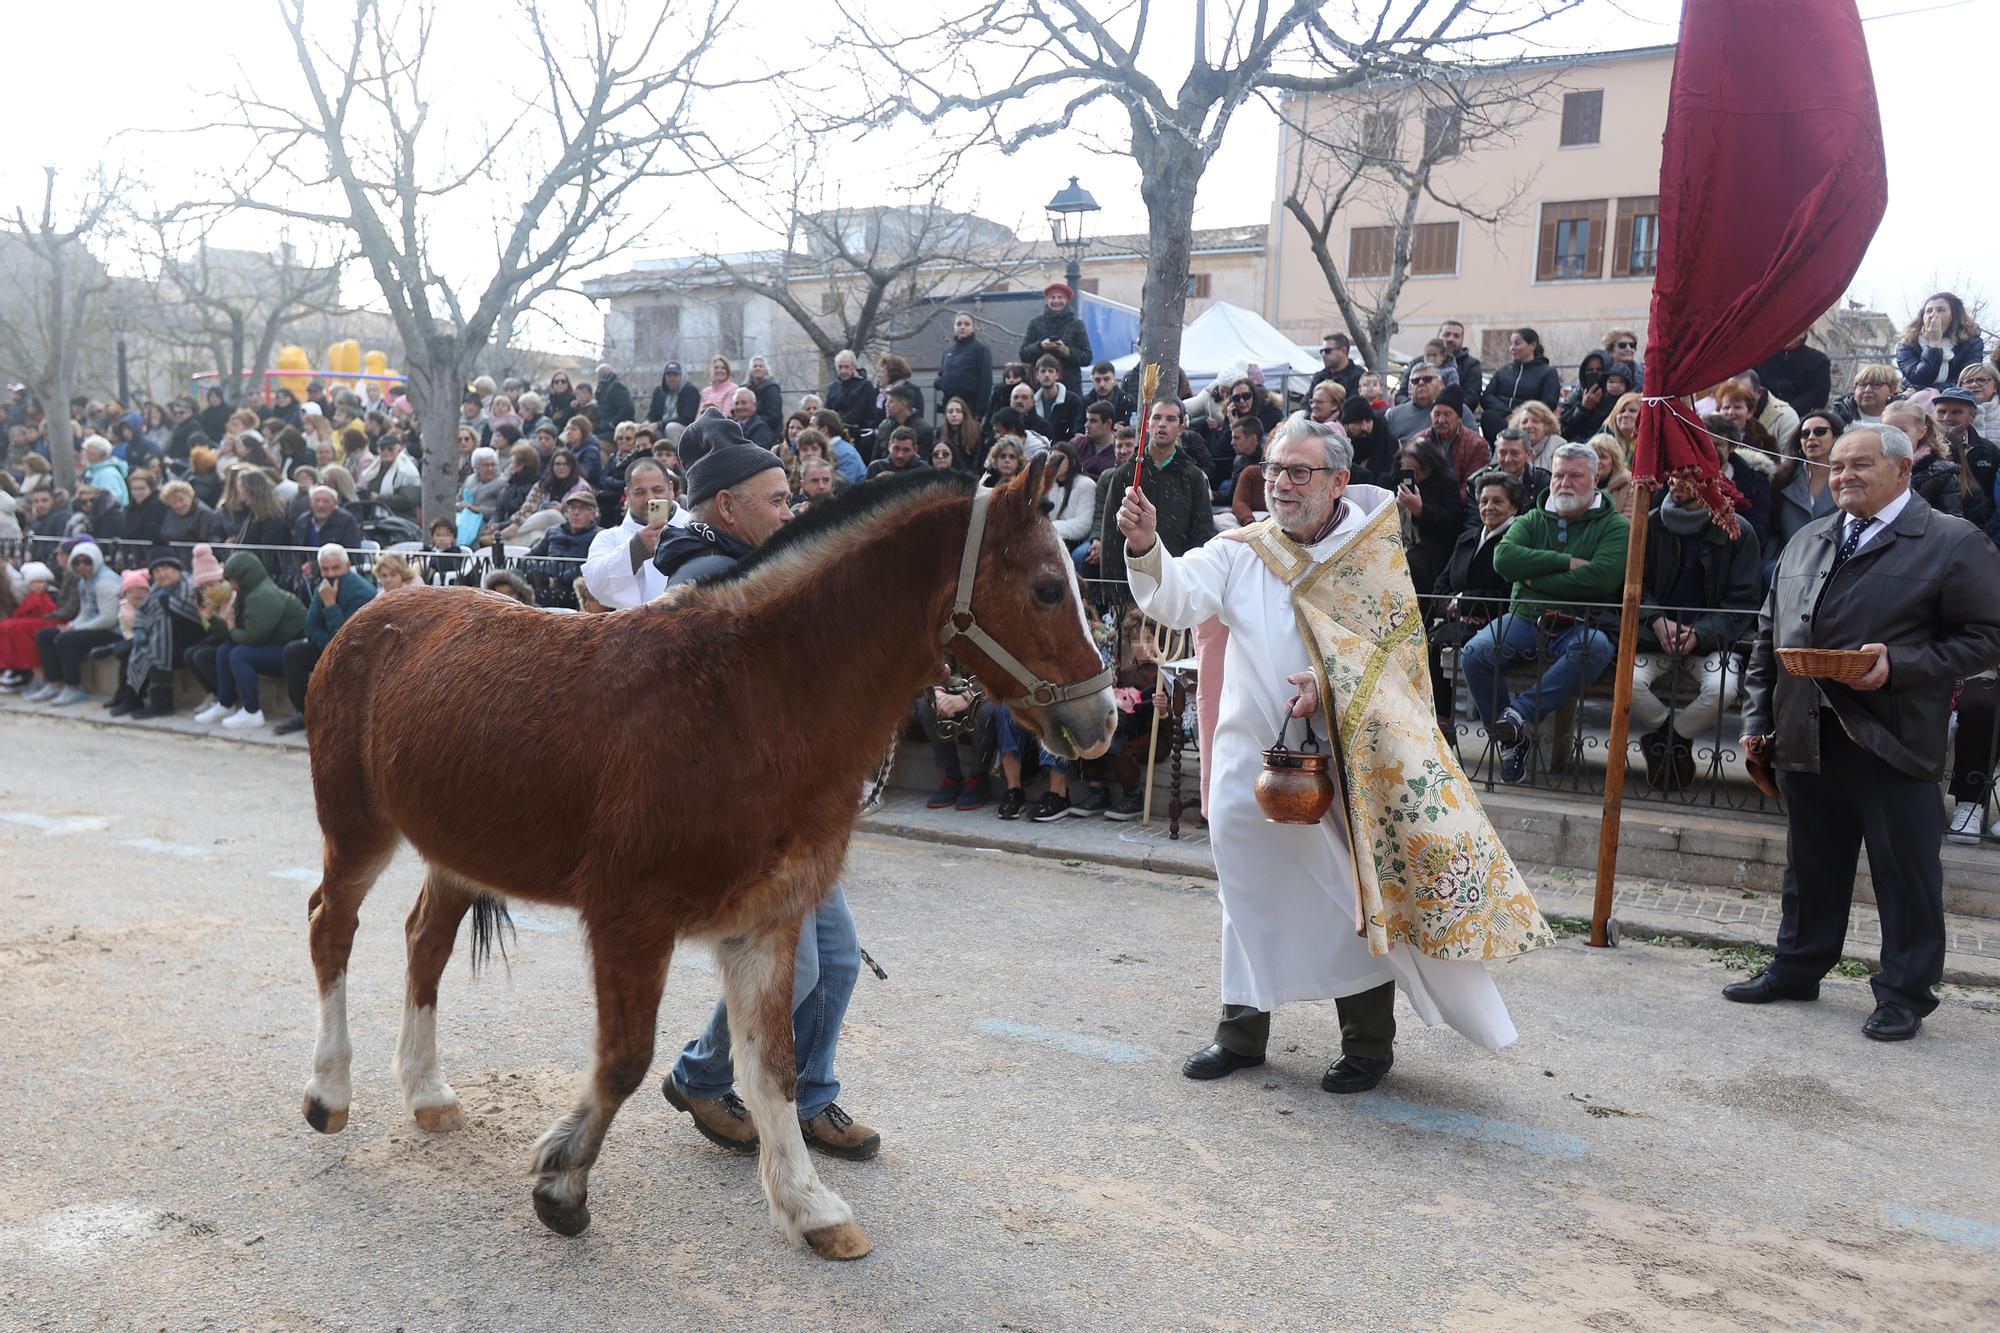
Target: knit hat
207, 569
727, 465
134, 578
37, 572
1452, 397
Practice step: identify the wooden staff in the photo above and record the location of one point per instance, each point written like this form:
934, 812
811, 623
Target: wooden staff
1621, 721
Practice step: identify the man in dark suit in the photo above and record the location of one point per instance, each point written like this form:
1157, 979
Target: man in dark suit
1858, 762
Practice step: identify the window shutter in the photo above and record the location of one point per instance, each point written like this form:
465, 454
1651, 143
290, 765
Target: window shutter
1621, 244
1545, 262
1593, 262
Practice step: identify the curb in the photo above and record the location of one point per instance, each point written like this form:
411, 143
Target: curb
181, 724
1200, 867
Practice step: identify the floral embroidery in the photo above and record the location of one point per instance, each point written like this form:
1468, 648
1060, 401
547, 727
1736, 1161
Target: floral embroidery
1429, 868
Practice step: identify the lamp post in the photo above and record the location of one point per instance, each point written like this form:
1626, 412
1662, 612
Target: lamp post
1066, 218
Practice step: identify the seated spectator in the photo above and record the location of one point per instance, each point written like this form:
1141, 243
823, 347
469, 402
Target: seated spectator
1011, 374
1983, 382
1105, 388
1098, 450
443, 554
480, 497
1053, 402
394, 479
33, 611
903, 409
1700, 594
743, 411
943, 456
1023, 421
102, 470
1526, 377
901, 456
1875, 387
1371, 391
1956, 411
97, 515
324, 522
62, 647
1802, 486
1939, 345
340, 594
1777, 415
572, 540
1452, 436
543, 507
1747, 469
960, 429
1614, 479
1510, 456
168, 627
1433, 515
1406, 419
1937, 473
202, 474
893, 372
1325, 402
1468, 593
816, 480
1622, 345
1003, 461
393, 573
1073, 497
266, 618
187, 519
1583, 415
1375, 445
1538, 425
509, 584
1245, 488
145, 512
1568, 551
946, 712
619, 571
1623, 424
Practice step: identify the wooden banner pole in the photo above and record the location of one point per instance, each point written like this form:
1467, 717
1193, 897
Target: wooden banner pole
1621, 719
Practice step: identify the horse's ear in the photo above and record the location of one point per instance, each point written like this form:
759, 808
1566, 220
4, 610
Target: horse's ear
1035, 481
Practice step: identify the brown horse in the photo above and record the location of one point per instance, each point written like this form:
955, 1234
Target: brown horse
707, 791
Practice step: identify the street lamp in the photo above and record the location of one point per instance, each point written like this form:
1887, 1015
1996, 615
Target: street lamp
1066, 216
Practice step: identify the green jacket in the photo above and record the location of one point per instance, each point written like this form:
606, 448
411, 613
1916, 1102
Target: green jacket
1537, 548
265, 613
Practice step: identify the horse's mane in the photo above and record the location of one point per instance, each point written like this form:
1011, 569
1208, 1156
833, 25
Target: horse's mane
848, 505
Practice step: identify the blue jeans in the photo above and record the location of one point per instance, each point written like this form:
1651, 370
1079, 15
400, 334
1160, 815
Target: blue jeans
1576, 657
237, 666
829, 961
1079, 555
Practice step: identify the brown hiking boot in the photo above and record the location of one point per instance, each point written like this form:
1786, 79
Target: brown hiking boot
723, 1121
837, 1134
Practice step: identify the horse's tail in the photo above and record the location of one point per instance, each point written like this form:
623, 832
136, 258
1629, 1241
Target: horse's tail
489, 918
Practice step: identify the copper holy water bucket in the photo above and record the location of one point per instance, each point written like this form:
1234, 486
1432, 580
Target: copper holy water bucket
1295, 786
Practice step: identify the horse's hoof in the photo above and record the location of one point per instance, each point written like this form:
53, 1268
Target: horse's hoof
565, 1219
324, 1118
440, 1119
844, 1240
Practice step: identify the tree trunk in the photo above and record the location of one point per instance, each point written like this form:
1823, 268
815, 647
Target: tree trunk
436, 386
62, 443
1172, 171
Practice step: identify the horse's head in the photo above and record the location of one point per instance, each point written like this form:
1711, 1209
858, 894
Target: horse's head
1027, 639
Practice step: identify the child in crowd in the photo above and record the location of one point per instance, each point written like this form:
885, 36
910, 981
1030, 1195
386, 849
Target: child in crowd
33, 612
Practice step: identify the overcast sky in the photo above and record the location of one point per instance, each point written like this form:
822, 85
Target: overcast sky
149, 66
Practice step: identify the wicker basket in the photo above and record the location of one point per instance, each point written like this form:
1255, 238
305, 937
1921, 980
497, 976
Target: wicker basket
1827, 663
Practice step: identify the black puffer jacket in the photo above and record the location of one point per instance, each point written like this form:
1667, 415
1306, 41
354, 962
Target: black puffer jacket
1513, 384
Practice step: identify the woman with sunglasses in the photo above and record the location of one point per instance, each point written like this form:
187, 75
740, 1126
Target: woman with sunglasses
1623, 345
1984, 381
1802, 489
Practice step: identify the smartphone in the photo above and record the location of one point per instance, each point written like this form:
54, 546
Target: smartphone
1405, 477
659, 511
1590, 379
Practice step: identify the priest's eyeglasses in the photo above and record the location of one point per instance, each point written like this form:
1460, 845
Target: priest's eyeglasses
1298, 473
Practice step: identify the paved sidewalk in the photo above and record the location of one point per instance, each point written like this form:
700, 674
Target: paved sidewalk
1642, 907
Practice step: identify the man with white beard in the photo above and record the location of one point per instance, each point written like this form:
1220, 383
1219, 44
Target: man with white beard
1566, 551
1403, 880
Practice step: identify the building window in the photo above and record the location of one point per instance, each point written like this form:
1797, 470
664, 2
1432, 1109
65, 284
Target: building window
1197, 286
729, 316
1369, 250
1442, 129
1572, 242
1379, 132
1635, 252
656, 333
1433, 249
1583, 118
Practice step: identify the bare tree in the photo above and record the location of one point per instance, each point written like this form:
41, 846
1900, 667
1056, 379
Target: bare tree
53, 291
241, 302
862, 277
1059, 58
1350, 159
612, 109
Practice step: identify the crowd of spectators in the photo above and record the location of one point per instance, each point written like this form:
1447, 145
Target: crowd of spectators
236, 539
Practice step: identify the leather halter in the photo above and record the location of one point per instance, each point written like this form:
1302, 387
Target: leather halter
962, 624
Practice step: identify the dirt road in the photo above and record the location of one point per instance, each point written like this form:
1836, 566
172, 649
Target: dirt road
1646, 1157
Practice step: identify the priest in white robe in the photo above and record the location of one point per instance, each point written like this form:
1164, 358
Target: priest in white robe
619, 571
1323, 624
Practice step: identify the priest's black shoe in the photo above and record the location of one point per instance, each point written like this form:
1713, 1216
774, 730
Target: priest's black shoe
1764, 988
1216, 1061
1891, 1022
1355, 1073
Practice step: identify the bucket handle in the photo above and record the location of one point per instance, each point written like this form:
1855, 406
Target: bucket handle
1311, 742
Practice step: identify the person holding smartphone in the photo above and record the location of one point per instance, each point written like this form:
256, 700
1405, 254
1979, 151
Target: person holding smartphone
619, 571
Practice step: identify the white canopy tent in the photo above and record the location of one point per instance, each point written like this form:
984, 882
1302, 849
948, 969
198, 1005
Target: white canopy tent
1228, 337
